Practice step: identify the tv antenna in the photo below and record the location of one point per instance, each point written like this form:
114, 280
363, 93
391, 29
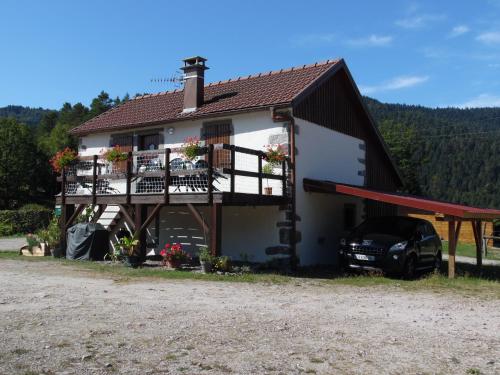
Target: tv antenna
173, 82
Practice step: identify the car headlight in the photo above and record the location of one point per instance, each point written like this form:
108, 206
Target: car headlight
343, 241
399, 246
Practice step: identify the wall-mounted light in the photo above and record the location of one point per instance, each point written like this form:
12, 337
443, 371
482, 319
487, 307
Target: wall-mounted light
171, 131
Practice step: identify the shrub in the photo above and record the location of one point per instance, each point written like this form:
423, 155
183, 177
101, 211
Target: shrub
52, 234
26, 220
6, 229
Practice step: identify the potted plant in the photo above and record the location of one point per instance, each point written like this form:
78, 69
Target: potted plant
63, 159
50, 237
268, 169
223, 264
173, 255
191, 148
127, 246
117, 157
206, 259
274, 154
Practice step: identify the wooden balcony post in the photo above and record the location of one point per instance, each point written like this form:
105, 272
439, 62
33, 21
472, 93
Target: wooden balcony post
283, 178
233, 167
259, 171
210, 173
216, 229
63, 187
166, 178
129, 175
94, 180
64, 213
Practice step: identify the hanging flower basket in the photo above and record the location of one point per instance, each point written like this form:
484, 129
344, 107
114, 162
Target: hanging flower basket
114, 154
275, 154
63, 159
191, 148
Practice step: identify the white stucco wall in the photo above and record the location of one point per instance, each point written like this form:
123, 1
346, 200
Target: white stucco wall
324, 154
246, 231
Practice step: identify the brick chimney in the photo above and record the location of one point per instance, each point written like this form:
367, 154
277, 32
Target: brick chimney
194, 82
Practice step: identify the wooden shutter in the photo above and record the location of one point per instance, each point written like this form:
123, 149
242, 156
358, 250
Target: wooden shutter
126, 142
215, 133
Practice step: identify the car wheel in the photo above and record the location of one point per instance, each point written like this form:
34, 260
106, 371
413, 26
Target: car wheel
438, 262
410, 268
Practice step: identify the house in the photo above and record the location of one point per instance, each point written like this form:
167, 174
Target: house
315, 112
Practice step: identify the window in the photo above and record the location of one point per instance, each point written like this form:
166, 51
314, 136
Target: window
149, 142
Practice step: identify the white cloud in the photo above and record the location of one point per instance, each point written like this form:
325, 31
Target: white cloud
396, 83
492, 37
313, 39
458, 30
371, 41
482, 100
419, 21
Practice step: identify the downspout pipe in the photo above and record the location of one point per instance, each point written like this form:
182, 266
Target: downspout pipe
285, 116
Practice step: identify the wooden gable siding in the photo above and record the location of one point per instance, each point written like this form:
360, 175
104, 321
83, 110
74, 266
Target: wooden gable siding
333, 105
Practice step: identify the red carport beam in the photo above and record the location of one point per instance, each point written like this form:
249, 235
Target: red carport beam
450, 209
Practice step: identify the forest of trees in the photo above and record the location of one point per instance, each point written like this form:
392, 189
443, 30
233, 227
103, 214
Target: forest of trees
29, 137
445, 153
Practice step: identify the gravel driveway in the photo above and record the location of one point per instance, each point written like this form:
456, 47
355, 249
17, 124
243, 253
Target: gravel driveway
59, 320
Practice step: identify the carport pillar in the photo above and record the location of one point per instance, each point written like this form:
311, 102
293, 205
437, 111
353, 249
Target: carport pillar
478, 239
452, 247
453, 234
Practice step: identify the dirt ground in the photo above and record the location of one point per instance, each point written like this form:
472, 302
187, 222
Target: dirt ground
59, 320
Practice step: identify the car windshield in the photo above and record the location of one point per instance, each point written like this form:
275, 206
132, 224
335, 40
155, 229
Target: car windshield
393, 226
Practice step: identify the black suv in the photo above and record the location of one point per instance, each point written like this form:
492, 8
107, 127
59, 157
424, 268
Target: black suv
392, 244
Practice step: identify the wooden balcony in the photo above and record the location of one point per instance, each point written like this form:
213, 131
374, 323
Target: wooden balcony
221, 173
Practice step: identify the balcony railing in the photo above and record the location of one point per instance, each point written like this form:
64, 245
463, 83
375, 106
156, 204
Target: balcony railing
217, 168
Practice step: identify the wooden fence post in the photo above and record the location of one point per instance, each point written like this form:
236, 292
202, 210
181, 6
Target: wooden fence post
94, 180
129, 175
166, 181
210, 173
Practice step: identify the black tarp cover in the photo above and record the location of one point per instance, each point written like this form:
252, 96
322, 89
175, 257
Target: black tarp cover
87, 241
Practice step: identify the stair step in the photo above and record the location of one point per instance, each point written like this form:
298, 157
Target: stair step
281, 224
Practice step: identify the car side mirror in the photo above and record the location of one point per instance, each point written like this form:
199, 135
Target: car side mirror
419, 236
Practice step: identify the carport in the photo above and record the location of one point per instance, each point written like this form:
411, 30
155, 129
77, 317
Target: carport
454, 214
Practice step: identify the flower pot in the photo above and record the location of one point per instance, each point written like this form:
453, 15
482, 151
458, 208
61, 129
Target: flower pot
268, 190
132, 261
173, 264
206, 267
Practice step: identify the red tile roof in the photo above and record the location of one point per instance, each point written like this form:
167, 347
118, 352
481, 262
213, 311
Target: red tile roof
243, 93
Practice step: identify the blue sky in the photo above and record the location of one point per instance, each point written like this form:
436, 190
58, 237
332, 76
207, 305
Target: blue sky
434, 53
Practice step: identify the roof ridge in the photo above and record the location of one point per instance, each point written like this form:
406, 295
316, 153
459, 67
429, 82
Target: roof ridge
250, 76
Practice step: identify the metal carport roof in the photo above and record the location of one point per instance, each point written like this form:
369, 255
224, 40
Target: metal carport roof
453, 213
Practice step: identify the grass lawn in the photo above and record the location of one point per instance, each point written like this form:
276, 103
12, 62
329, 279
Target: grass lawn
469, 250
470, 281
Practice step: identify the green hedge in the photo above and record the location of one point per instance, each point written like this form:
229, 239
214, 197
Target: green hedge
28, 219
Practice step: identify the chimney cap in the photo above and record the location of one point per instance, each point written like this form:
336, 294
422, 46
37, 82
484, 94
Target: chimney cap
195, 61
